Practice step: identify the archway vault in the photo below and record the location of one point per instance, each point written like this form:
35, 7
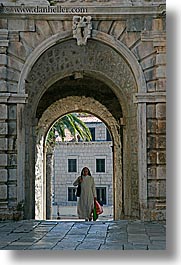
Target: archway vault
96, 79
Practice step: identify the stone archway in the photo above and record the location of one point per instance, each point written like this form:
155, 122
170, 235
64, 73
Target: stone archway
46, 83
56, 110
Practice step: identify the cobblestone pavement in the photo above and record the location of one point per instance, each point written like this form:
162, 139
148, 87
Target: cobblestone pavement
79, 235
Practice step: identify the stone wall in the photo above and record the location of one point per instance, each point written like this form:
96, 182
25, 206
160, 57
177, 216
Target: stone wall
135, 34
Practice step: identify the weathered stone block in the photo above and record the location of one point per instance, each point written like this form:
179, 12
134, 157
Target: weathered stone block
135, 24
3, 175
161, 126
151, 86
3, 192
12, 174
131, 38
56, 26
3, 36
161, 157
143, 50
12, 86
161, 59
12, 109
12, 192
12, 159
3, 23
3, 159
161, 85
3, 111
152, 188
148, 62
3, 128
43, 28
117, 28
3, 86
160, 110
158, 215
3, 59
157, 24
161, 172
152, 157
13, 75
14, 63
3, 72
151, 126
152, 172
14, 36
161, 189
21, 25
12, 144
151, 141
151, 111
12, 128
3, 144
161, 72
161, 142
104, 26
19, 50
150, 74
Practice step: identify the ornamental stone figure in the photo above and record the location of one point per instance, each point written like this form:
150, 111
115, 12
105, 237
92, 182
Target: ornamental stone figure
82, 27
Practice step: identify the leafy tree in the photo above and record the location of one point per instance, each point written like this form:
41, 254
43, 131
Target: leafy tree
73, 124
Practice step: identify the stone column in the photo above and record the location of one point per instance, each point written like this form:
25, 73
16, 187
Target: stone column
49, 175
3, 122
160, 47
154, 102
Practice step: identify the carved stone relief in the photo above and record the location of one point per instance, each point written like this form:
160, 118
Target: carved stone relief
67, 58
82, 27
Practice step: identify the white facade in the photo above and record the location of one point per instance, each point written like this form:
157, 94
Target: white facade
89, 154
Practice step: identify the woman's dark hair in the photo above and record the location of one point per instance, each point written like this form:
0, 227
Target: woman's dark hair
83, 171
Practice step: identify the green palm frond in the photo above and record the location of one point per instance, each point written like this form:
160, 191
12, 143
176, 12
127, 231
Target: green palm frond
72, 123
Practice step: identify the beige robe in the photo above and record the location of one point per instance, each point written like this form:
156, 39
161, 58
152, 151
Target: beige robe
86, 201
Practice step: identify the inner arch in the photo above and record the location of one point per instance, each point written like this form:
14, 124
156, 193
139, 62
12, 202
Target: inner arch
85, 86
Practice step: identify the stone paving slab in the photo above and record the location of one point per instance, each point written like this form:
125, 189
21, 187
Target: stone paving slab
79, 235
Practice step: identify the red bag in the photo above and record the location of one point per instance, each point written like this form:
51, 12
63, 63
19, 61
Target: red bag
98, 207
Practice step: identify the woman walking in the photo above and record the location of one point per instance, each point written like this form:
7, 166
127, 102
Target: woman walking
85, 204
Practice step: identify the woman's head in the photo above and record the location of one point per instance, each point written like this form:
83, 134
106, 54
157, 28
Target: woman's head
85, 172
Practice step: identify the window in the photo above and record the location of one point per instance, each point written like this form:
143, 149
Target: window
92, 131
71, 194
72, 165
100, 165
101, 195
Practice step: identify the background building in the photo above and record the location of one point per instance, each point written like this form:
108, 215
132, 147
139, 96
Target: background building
69, 159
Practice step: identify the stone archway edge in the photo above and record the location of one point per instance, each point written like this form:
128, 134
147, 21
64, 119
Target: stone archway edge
58, 109
70, 104
138, 76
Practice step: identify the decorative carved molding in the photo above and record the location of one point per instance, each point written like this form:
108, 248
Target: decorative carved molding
82, 28
156, 97
13, 98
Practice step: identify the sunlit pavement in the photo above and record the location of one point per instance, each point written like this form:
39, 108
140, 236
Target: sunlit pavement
81, 235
